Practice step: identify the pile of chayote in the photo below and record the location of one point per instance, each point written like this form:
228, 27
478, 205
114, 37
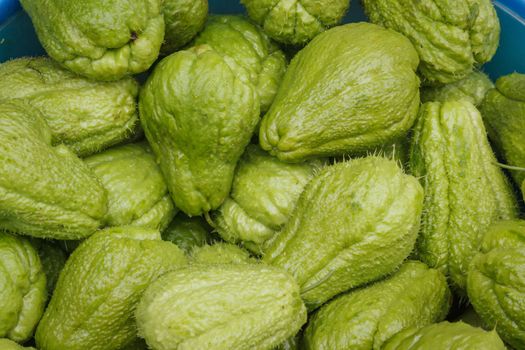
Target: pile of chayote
274, 181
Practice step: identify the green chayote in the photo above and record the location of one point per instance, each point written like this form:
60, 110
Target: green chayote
199, 111
365, 318
137, 192
263, 196
221, 307
85, 115
184, 19
472, 318
53, 259
97, 291
451, 37
100, 40
354, 223
23, 291
503, 112
187, 233
445, 336
45, 191
6, 344
523, 189
328, 104
296, 22
221, 253
236, 37
496, 281
465, 191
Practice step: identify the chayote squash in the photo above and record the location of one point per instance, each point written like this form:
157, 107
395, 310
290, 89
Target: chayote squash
221, 253
6, 344
354, 223
496, 281
99, 40
328, 104
221, 307
236, 37
187, 233
365, 318
199, 111
45, 191
523, 189
23, 291
137, 192
85, 115
465, 191
98, 289
296, 22
503, 112
451, 37
264, 193
53, 259
184, 19
445, 336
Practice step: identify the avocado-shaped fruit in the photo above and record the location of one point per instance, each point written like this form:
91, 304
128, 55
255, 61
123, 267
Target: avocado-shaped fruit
187, 232
184, 19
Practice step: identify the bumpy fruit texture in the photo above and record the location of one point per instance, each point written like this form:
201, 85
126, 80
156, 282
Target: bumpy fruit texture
365, 318
328, 104
98, 289
221, 307
503, 112
99, 40
45, 191
294, 22
184, 19
199, 111
472, 88
85, 115
465, 191
187, 233
264, 193
23, 291
451, 37
445, 336
221, 253
354, 223
6, 344
137, 192
251, 49
496, 281
53, 259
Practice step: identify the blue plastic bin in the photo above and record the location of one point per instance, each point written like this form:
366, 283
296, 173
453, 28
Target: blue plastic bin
17, 37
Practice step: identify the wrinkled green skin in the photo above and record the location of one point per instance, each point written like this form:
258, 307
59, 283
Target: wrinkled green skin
53, 259
496, 281
23, 291
221, 253
45, 191
98, 289
327, 102
6, 344
354, 223
221, 307
99, 40
184, 19
85, 115
199, 112
472, 318
465, 191
365, 318
187, 233
248, 45
503, 112
292, 343
472, 88
264, 193
445, 336
137, 192
296, 22
451, 37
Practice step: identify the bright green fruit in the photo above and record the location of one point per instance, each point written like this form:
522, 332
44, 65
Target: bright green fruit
53, 259
221, 253
187, 233
6, 344
328, 104
221, 307
98, 289
184, 19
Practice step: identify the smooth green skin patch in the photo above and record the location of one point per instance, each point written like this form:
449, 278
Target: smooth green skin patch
98, 289
465, 191
296, 22
23, 291
445, 336
6, 344
221, 307
184, 19
451, 37
354, 223
221, 253
45, 191
364, 319
327, 104
187, 233
496, 281
99, 40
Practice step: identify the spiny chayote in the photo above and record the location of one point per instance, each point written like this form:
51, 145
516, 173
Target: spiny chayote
221, 253
187, 233
184, 19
